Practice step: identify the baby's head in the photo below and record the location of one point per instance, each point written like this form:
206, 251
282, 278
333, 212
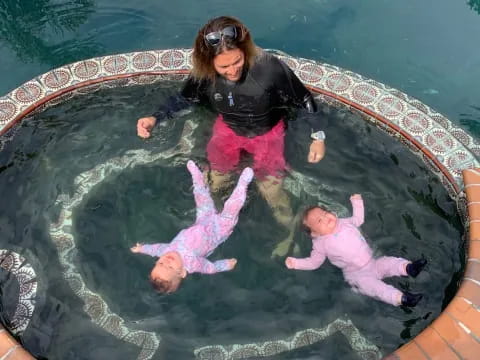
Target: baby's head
319, 220
168, 272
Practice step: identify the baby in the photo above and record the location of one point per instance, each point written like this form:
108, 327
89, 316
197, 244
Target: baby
341, 241
188, 251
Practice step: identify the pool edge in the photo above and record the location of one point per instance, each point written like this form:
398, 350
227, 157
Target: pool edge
10, 349
455, 333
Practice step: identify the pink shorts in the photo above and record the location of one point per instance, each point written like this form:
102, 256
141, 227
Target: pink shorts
223, 150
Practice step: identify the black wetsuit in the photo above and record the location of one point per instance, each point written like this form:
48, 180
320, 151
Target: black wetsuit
254, 104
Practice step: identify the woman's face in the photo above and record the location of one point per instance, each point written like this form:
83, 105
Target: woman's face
229, 64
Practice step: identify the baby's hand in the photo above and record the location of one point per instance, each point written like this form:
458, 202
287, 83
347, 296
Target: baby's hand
356, 197
232, 263
289, 262
136, 248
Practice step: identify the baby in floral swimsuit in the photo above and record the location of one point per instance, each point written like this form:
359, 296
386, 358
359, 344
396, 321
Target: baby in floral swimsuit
341, 242
188, 251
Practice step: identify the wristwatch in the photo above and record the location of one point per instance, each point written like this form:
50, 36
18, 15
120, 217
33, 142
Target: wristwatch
319, 135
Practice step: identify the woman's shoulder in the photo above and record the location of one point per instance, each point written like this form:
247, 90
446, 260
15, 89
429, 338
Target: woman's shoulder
267, 68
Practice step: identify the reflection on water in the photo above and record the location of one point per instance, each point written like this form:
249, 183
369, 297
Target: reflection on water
471, 120
474, 5
28, 28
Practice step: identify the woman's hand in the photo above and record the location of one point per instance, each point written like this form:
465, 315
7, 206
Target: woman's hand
136, 248
317, 151
289, 262
145, 126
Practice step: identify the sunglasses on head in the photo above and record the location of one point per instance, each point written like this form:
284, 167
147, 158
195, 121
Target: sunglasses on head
215, 37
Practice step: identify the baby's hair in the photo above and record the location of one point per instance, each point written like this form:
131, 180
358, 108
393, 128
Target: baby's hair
306, 212
162, 286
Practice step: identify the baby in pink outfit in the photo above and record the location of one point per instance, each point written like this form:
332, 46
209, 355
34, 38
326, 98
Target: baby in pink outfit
188, 251
341, 242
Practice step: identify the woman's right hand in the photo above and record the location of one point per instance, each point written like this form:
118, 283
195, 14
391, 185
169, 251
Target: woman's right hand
145, 126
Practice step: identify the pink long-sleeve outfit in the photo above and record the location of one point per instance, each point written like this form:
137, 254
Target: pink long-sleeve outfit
196, 243
347, 249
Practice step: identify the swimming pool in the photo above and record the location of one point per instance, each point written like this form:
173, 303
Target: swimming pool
109, 193
112, 151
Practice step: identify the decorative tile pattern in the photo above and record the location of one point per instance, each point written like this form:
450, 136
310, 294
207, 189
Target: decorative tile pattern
7, 111
87, 69
310, 73
28, 93
56, 79
18, 266
173, 59
144, 61
364, 349
117, 64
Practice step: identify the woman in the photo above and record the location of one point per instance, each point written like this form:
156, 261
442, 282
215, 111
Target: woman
252, 91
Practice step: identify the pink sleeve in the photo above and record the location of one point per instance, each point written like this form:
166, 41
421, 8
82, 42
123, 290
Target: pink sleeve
358, 212
313, 262
153, 249
204, 266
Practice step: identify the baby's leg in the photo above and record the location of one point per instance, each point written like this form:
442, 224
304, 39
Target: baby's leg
387, 266
233, 205
378, 289
201, 193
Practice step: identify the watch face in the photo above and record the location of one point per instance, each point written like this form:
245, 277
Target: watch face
319, 135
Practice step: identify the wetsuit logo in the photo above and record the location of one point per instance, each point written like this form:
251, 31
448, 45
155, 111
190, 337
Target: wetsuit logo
218, 97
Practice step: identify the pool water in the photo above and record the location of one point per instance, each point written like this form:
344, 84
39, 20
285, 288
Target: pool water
408, 213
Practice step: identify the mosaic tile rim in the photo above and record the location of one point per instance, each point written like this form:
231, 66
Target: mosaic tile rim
24, 272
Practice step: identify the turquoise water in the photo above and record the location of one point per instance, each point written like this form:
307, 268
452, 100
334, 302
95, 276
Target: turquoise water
427, 49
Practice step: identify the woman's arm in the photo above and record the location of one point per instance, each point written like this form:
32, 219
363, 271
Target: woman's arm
192, 92
294, 93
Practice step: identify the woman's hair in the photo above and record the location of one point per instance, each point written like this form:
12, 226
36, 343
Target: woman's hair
204, 53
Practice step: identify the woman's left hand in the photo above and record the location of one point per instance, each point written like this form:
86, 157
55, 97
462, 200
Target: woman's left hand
317, 151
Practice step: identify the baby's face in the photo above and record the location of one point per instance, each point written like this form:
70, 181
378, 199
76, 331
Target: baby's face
169, 267
320, 222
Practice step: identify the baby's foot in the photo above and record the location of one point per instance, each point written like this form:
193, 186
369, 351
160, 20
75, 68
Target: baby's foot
197, 175
414, 268
410, 300
246, 176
